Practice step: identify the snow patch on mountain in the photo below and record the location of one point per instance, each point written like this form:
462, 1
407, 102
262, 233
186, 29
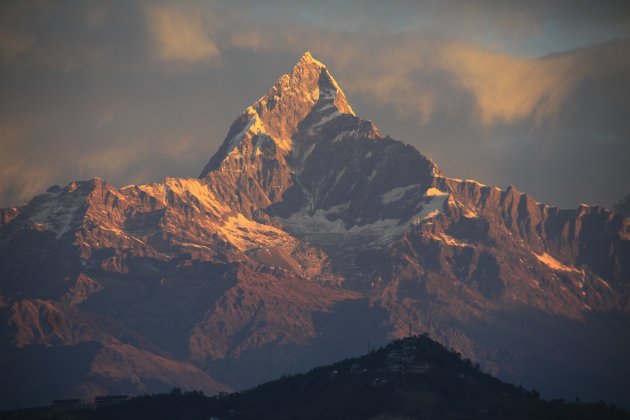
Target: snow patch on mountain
449, 240
57, 211
190, 190
321, 229
554, 264
465, 181
246, 234
119, 232
434, 192
431, 209
307, 153
253, 127
346, 135
471, 214
324, 227
395, 194
323, 120
327, 94
339, 176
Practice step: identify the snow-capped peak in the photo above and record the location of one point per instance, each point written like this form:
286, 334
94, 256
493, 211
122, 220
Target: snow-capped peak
308, 88
307, 58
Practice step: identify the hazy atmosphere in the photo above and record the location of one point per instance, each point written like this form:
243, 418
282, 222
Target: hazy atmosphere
260, 221
533, 94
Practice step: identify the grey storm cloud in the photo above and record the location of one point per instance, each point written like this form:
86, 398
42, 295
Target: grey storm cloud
532, 94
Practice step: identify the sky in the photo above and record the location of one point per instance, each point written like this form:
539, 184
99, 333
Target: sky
535, 94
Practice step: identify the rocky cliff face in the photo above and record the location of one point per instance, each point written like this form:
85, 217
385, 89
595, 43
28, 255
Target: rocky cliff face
307, 235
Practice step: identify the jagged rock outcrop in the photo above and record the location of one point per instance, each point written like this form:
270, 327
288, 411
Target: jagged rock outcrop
308, 234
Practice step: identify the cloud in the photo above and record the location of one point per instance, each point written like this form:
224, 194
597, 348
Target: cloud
86, 92
422, 74
26, 171
509, 89
14, 39
139, 162
12, 44
21, 176
97, 13
181, 33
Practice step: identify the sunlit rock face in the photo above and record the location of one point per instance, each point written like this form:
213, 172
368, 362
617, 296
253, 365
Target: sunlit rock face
307, 235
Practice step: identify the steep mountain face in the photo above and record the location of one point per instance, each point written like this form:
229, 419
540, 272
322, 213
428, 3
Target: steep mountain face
308, 234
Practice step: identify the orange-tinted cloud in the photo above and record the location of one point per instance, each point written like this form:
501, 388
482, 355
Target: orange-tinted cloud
12, 42
416, 73
86, 85
508, 89
22, 176
181, 33
97, 14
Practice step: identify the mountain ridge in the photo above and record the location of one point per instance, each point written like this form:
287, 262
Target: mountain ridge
307, 224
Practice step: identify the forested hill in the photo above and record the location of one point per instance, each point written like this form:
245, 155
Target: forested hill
414, 377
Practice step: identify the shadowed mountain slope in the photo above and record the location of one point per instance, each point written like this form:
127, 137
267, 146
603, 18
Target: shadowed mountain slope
410, 378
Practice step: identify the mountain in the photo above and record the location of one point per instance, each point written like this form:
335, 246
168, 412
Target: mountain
410, 378
307, 235
622, 206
